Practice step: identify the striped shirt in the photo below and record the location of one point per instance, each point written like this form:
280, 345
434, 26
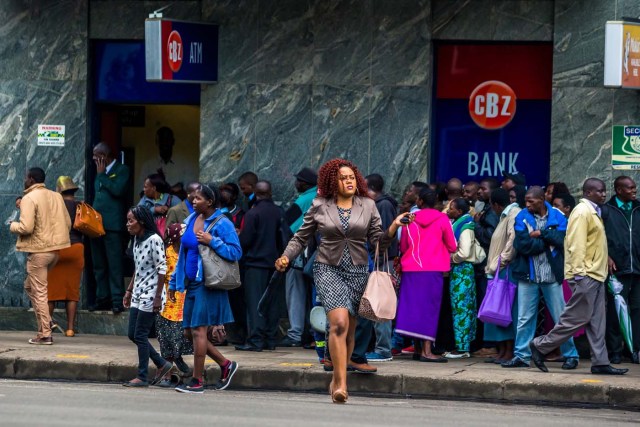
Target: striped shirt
541, 265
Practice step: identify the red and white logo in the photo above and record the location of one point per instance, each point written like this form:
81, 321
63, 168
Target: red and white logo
174, 51
492, 105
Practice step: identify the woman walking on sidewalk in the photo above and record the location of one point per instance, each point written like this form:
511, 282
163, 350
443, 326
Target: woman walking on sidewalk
346, 219
143, 293
204, 307
173, 343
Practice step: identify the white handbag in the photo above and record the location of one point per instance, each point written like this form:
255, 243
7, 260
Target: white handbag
379, 300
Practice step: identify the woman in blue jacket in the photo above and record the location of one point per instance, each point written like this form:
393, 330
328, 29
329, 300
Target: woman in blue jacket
204, 307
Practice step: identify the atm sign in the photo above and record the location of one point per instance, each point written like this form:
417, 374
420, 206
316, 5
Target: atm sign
492, 105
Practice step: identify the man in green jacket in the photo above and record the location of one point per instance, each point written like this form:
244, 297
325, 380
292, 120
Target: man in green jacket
106, 251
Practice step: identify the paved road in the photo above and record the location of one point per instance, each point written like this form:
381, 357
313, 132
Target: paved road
35, 403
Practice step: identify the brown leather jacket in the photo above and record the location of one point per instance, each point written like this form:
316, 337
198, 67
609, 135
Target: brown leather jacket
323, 217
44, 221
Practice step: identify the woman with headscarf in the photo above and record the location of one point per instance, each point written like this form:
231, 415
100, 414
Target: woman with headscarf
462, 283
173, 343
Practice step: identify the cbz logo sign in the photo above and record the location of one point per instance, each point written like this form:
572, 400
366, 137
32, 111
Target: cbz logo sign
492, 105
179, 51
174, 51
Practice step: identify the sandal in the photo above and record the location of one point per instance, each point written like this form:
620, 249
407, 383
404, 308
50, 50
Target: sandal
69, 333
53, 325
161, 372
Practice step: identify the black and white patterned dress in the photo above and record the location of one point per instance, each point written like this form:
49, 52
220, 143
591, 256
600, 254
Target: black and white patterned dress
150, 261
342, 285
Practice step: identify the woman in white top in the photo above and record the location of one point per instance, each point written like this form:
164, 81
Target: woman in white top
143, 295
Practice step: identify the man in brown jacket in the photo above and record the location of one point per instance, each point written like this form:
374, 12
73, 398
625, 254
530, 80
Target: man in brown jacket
43, 229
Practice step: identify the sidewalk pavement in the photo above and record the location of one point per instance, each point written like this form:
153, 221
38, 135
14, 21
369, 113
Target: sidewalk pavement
104, 358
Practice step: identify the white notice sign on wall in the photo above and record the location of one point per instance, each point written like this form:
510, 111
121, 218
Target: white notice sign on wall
51, 135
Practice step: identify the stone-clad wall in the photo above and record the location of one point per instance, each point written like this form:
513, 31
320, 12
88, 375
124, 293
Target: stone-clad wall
583, 110
301, 81
43, 80
305, 81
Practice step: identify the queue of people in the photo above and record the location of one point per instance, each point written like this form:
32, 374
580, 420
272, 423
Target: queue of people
446, 244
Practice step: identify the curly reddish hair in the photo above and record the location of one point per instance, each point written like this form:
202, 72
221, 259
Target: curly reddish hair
328, 178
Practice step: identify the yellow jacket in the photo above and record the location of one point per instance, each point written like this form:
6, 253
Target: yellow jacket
44, 221
585, 247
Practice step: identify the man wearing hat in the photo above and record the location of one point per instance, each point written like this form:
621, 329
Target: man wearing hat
296, 289
511, 179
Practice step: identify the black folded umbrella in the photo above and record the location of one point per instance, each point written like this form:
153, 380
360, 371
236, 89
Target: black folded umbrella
270, 294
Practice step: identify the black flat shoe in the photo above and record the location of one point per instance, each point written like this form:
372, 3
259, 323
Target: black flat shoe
247, 347
515, 363
635, 357
537, 357
437, 360
608, 370
570, 363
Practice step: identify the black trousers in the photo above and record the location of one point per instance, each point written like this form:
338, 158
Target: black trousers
263, 331
631, 294
140, 324
106, 253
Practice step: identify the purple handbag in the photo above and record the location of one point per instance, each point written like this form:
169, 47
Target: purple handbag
498, 301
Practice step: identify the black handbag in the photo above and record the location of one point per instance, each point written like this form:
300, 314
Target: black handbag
307, 270
219, 274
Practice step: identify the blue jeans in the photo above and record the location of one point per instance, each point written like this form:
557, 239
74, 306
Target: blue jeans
140, 324
364, 329
528, 302
296, 289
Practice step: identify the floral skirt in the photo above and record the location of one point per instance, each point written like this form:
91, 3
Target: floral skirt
462, 287
173, 343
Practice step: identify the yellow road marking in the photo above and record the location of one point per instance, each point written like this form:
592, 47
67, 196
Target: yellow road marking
73, 356
592, 381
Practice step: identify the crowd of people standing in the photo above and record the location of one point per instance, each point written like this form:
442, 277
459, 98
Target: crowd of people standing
443, 242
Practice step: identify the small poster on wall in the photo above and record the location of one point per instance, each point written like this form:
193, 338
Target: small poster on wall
625, 147
51, 135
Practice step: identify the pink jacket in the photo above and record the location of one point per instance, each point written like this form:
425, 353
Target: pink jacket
426, 244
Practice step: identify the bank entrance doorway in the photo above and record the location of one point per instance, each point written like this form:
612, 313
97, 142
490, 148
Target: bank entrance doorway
150, 127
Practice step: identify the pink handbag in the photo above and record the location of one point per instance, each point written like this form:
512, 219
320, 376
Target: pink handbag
379, 300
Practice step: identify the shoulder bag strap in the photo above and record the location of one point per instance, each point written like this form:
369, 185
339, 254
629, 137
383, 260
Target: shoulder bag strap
213, 223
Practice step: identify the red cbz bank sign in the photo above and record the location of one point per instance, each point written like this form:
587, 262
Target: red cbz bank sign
181, 52
492, 111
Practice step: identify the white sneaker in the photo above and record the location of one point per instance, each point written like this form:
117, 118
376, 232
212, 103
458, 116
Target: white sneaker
450, 355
